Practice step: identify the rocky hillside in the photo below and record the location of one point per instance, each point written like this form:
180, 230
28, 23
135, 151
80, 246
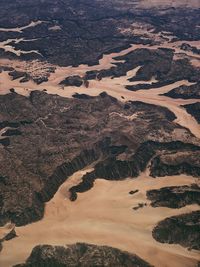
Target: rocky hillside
194, 110
175, 196
185, 92
183, 229
59, 136
81, 255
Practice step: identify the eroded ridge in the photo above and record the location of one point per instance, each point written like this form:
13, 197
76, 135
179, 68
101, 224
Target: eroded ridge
60, 136
80, 255
180, 158
175, 196
186, 229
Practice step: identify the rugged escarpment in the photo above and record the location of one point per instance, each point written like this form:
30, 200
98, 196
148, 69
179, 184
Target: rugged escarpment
175, 196
114, 168
59, 136
34, 209
81, 255
65, 170
183, 229
187, 162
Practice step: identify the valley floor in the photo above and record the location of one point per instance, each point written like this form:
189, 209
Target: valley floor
105, 216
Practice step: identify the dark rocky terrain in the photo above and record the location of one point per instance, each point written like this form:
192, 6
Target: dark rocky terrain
81, 255
46, 138
59, 136
25, 77
194, 110
185, 92
155, 63
183, 229
180, 158
83, 30
176, 163
175, 196
190, 48
72, 81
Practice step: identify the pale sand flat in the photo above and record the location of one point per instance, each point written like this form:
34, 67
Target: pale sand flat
104, 216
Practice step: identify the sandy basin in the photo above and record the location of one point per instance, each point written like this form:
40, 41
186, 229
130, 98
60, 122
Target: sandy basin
104, 215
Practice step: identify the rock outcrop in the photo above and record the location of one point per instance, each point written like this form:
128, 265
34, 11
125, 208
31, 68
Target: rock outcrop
185, 92
190, 48
72, 81
194, 110
186, 161
183, 229
81, 255
174, 197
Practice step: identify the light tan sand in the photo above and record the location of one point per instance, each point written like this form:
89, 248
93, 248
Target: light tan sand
20, 29
104, 216
6, 230
9, 48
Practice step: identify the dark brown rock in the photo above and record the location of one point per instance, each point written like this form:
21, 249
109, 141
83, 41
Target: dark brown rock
185, 92
194, 110
175, 196
72, 81
61, 136
183, 229
81, 255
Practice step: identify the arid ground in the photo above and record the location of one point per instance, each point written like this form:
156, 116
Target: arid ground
55, 107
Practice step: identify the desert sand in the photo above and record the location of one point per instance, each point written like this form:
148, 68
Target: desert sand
20, 29
104, 216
